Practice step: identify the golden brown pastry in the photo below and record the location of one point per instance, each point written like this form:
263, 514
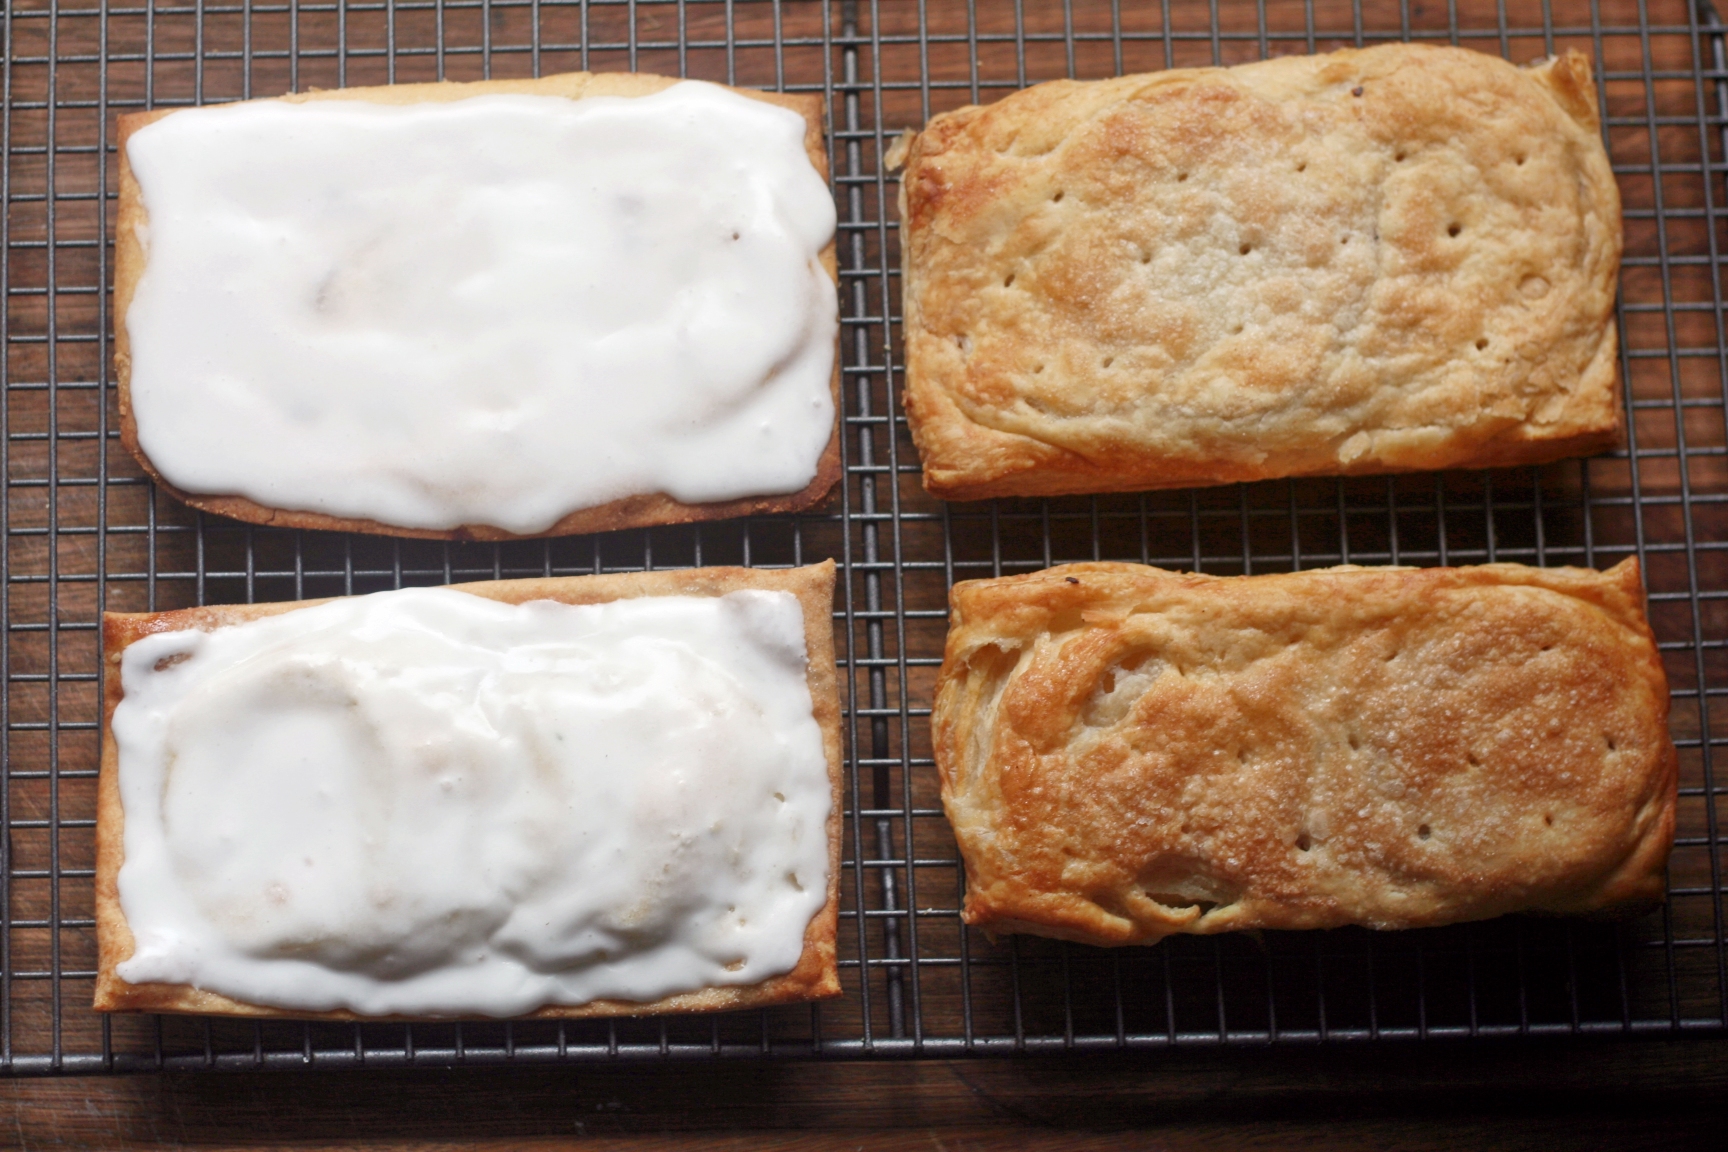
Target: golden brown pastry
1390, 259
816, 975
1128, 753
628, 512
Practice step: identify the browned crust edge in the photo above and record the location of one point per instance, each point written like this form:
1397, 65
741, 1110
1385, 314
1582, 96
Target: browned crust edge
1636, 883
937, 421
638, 511
816, 975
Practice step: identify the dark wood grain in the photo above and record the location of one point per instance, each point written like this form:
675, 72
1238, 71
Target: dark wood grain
1622, 1095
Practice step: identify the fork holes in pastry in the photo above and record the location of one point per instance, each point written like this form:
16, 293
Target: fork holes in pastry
1612, 746
1481, 343
1008, 281
1398, 157
1548, 819
1057, 199
1108, 360
1302, 167
1519, 159
1454, 228
1474, 760
1245, 249
1355, 742
1424, 832
1304, 842
1036, 370
1181, 176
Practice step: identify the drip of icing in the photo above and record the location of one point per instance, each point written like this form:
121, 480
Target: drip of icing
494, 311
428, 803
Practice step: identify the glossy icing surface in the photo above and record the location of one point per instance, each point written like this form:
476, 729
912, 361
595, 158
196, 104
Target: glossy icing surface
496, 310
428, 803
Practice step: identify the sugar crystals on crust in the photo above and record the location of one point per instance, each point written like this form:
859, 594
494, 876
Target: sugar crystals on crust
1398, 258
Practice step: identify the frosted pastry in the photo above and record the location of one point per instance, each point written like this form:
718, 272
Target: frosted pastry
1127, 753
511, 308
584, 796
1398, 258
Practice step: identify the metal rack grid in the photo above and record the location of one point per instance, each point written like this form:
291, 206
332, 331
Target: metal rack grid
83, 531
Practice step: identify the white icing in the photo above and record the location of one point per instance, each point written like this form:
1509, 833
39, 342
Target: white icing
496, 310
428, 803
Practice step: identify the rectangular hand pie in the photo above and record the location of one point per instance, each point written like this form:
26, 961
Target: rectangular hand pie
566, 797
1401, 258
1128, 753
489, 310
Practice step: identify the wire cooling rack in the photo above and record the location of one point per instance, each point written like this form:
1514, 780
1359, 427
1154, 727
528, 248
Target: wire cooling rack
83, 531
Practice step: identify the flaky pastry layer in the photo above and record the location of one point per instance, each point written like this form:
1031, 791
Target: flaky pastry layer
1127, 753
816, 975
1390, 259
636, 511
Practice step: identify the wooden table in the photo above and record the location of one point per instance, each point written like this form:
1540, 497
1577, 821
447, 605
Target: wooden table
1622, 1095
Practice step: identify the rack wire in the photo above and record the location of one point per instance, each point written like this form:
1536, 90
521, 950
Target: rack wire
83, 531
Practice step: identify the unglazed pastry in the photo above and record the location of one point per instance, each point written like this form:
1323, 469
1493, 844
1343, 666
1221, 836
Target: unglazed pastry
1379, 260
1128, 753
583, 796
481, 311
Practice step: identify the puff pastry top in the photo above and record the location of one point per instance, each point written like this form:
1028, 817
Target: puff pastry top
1127, 753
1398, 258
